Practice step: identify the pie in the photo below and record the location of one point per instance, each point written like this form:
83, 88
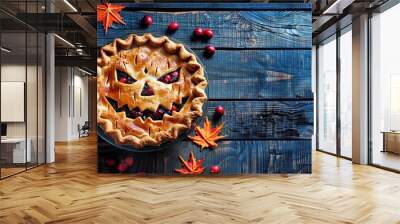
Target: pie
149, 90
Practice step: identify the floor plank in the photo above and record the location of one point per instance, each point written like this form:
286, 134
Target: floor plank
70, 191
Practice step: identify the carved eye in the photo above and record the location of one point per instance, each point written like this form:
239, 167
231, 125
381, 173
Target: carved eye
124, 78
170, 77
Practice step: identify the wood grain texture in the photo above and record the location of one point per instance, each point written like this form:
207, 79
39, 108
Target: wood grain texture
71, 191
247, 120
234, 157
232, 29
258, 74
259, 6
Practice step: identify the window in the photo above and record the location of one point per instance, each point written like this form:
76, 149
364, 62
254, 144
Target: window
327, 96
346, 93
385, 89
22, 76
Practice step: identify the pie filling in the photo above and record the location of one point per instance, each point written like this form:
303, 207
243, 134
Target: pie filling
155, 115
170, 77
125, 78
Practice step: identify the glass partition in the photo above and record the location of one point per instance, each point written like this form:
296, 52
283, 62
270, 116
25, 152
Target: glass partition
22, 77
346, 93
385, 89
14, 153
326, 99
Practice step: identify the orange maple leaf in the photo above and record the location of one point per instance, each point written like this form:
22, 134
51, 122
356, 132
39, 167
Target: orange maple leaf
109, 13
191, 166
206, 137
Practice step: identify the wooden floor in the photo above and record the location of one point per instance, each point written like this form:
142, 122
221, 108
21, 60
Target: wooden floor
70, 191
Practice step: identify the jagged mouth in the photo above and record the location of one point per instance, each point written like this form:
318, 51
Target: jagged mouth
155, 115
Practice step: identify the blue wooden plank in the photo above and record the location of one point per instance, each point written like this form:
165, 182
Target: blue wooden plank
266, 93
234, 157
221, 6
235, 29
258, 74
247, 120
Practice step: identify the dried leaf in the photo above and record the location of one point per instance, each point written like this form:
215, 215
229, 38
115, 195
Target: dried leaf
109, 13
191, 166
206, 137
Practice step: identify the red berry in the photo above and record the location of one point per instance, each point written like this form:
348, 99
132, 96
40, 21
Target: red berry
174, 74
210, 50
219, 110
123, 79
198, 32
129, 161
215, 169
208, 33
147, 20
172, 27
167, 78
173, 108
122, 167
109, 162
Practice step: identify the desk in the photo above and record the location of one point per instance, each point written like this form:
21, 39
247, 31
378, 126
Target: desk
15, 148
391, 141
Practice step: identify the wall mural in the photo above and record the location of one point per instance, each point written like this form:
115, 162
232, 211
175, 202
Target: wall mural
211, 89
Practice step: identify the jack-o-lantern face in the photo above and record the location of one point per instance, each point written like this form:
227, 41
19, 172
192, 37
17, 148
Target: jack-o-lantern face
149, 90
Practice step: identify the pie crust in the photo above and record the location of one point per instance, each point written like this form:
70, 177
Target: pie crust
138, 104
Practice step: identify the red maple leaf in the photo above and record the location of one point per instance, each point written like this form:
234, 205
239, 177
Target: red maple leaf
109, 13
191, 166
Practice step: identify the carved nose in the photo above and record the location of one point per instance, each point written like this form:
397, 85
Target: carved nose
147, 90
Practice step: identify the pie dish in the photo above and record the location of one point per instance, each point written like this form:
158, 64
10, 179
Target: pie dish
149, 90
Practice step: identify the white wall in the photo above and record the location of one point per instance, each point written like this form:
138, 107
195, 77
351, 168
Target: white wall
71, 102
34, 125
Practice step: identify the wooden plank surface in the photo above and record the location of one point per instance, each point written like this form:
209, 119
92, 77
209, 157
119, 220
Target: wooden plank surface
258, 74
234, 157
232, 29
259, 6
265, 119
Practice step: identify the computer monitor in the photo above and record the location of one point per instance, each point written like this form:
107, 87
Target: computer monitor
3, 129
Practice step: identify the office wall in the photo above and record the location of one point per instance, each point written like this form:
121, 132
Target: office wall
16, 73
71, 102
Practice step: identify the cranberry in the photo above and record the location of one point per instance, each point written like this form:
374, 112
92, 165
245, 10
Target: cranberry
198, 32
129, 161
174, 76
215, 169
173, 108
167, 78
172, 27
109, 162
208, 33
219, 110
147, 20
123, 79
136, 113
158, 114
210, 50
122, 167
